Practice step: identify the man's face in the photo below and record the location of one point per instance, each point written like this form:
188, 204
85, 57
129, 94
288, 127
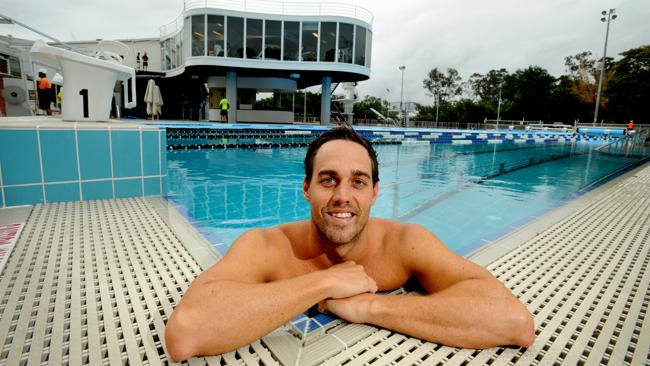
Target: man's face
341, 191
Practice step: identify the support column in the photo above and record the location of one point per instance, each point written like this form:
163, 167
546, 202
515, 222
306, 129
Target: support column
326, 100
277, 100
231, 95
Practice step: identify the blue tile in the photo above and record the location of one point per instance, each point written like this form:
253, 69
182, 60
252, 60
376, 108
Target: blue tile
29, 195
150, 153
19, 157
152, 186
62, 192
126, 153
59, 153
97, 190
94, 155
128, 188
163, 152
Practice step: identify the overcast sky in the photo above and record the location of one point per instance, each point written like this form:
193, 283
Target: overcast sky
469, 35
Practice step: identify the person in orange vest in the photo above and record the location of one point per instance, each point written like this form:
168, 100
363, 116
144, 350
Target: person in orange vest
44, 92
630, 127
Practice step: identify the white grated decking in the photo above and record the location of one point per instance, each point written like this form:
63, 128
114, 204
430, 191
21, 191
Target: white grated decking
94, 282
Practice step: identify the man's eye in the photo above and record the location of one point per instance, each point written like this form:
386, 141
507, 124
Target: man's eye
327, 181
359, 183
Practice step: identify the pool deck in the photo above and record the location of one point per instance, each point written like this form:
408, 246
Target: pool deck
94, 282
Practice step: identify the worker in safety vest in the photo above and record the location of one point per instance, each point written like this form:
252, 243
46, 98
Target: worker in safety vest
630, 127
224, 105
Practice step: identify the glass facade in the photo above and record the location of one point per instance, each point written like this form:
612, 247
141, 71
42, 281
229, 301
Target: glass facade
198, 35
216, 35
346, 40
254, 38
327, 41
359, 45
309, 41
272, 39
237, 37
291, 41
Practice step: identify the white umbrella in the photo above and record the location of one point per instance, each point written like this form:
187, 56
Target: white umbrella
149, 95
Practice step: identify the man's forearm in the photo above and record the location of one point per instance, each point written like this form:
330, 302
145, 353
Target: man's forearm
217, 317
464, 315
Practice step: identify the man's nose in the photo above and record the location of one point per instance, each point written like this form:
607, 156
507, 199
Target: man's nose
342, 193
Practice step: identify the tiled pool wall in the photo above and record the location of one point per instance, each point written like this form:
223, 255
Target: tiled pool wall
57, 164
209, 137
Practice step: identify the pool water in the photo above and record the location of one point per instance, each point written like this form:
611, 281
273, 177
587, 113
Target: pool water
468, 195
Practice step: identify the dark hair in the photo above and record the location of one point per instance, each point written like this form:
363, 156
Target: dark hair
340, 133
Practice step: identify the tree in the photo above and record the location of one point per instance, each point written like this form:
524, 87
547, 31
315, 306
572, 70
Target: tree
629, 87
362, 108
486, 87
529, 91
584, 72
444, 86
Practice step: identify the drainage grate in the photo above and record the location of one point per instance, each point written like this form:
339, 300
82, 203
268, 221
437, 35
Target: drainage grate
93, 283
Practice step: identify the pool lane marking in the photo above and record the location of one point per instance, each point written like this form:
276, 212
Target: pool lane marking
40, 160
76, 142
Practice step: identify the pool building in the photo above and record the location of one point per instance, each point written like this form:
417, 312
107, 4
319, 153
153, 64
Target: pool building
103, 225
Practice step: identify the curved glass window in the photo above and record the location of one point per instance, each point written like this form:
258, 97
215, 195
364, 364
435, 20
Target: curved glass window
368, 46
187, 37
272, 39
360, 46
346, 34
309, 41
235, 37
253, 38
327, 41
291, 41
215, 35
198, 35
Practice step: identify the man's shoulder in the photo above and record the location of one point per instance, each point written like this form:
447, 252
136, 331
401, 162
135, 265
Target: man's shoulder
275, 237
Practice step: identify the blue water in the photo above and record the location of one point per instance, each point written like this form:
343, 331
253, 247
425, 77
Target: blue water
442, 187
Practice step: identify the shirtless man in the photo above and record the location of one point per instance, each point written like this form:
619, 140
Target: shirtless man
339, 259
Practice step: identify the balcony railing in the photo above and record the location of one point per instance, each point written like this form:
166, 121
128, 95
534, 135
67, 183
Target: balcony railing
272, 7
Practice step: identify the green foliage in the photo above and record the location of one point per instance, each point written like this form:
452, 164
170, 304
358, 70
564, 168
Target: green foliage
444, 86
629, 87
529, 90
486, 87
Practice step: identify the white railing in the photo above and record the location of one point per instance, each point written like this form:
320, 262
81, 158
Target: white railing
272, 7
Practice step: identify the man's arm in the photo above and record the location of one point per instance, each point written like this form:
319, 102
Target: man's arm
233, 304
465, 307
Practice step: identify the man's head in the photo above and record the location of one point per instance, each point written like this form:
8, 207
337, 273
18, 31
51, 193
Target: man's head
340, 133
340, 184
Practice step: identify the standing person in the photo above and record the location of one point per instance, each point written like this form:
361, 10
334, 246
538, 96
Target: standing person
137, 61
224, 105
44, 92
339, 259
630, 127
145, 61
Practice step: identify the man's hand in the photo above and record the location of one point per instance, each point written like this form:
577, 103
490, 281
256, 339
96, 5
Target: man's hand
348, 279
353, 309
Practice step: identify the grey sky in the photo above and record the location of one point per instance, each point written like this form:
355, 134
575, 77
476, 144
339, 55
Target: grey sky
469, 35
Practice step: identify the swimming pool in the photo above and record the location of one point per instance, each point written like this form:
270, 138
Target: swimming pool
468, 195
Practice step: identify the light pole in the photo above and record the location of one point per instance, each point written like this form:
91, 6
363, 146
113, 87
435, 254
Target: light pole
609, 17
388, 105
401, 99
499, 106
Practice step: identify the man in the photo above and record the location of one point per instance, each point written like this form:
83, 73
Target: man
224, 105
339, 259
44, 91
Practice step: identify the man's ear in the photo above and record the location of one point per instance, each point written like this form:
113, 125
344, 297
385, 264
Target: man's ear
375, 193
305, 189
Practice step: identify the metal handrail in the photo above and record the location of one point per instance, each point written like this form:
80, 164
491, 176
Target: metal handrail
271, 7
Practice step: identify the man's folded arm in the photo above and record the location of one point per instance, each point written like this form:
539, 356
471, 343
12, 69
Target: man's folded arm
465, 306
231, 305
